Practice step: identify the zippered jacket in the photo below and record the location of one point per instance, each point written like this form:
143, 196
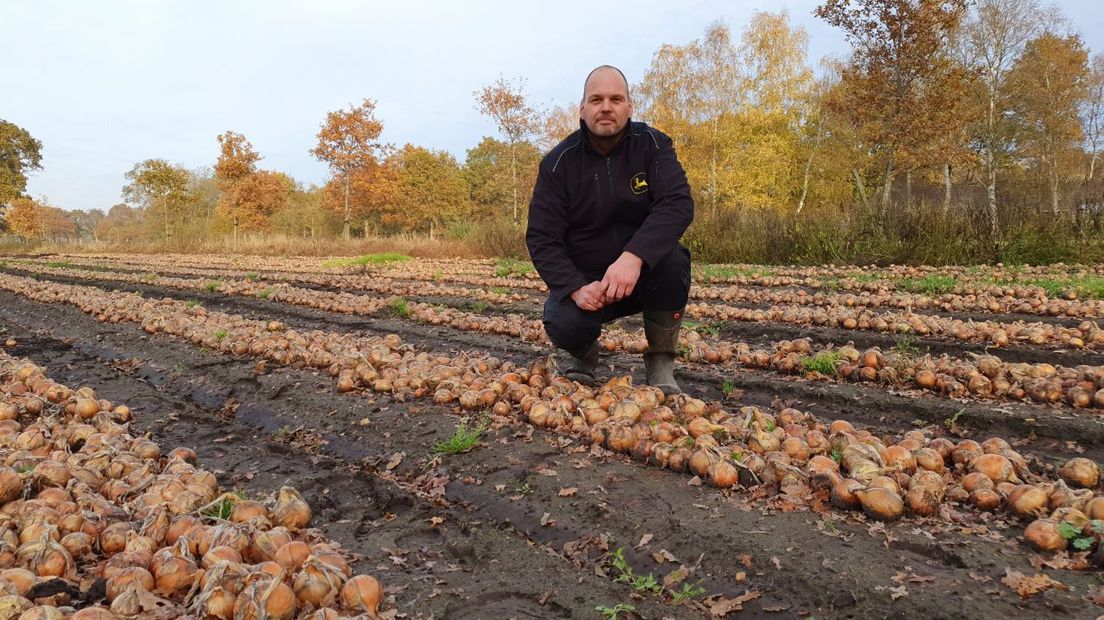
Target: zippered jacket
588, 208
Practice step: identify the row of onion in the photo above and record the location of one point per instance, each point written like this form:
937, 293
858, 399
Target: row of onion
86, 502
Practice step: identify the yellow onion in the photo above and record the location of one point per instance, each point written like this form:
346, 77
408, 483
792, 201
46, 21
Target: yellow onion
1094, 508
220, 554
843, 493
1072, 516
78, 544
93, 613
1028, 500
997, 467
1080, 472
12, 606
217, 603
269, 599
173, 575
113, 538
247, 510
1043, 535
11, 485
46, 558
362, 593
266, 543
291, 510
723, 474
317, 583
880, 504
22, 579
292, 555
127, 578
42, 612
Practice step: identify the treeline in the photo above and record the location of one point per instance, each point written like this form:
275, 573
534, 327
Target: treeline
954, 132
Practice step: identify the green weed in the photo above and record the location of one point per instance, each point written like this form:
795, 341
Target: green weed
399, 307
59, 264
688, 592
149, 277
220, 334
266, 292
728, 387
905, 346
212, 285
191, 303
463, 439
222, 508
512, 267
613, 613
951, 421
368, 260
639, 583
252, 276
1076, 535
824, 362
928, 285
479, 306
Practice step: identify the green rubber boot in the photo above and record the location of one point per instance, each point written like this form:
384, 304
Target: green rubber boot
579, 366
662, 330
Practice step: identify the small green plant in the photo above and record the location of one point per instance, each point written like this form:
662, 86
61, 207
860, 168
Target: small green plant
613, 613
953, 420
138, 293
825, 363
3, 264
438, 275
222, 507
831, 283
59, 264
463, 439
479, 306
905, 346
525, 489
865, 277
191, 303
500, 290
836, 456
368, 260
1076, 535
266, 292
148, 277
928, 285
512, 267
399, 307
252, 276
688, 592
728, 387
705, 329
639, 583
212, 285
220, 334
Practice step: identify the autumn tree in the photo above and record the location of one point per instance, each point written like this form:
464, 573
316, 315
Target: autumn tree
26, 218
1048, 84
488, 173
20, 153
431, 190
1092, 114
558, 123
505, 102
349, 143
122, 223
163, 190
86, 222
305, 215
990, 40
900, 78
234, 170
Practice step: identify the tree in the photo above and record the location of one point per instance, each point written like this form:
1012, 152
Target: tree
900, 76
349, 143
431, 189
122, 223
487, 170
305, 215
163, 190
257, 197
1048, 84
1092, 113
990, 40
559, 122
504, 101
86, 222
26, 218
236, 164
20, 153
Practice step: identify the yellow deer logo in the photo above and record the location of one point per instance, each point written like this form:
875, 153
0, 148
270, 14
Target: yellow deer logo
638, 183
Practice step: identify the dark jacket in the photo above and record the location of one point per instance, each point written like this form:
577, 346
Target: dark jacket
587, 208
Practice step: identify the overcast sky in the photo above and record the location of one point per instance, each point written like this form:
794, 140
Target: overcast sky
106, 84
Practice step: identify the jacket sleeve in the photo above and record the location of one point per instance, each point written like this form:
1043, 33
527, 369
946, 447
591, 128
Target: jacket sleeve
546, 234
672, 207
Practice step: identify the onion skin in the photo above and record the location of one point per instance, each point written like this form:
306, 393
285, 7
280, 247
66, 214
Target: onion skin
880, 504
362, 593
1080, 472
1043, 535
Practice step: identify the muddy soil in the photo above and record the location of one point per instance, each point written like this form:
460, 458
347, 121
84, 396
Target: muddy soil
527, 516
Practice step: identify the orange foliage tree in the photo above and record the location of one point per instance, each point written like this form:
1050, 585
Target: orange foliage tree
236, 165
349, 142
26, 218
505, 102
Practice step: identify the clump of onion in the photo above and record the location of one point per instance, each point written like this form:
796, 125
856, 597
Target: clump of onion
1080, 472
1043, 535
362, 593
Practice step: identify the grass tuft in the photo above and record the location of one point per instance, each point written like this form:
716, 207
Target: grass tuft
825, 362
463, 439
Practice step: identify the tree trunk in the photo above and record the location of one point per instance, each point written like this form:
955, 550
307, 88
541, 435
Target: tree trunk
345, 222
946, 188
713, 171
887, 185
908, 187
861, 187
513, 182
809, 167
991, 193
1054, 187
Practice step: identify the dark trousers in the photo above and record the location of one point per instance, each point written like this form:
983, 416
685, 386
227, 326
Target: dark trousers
664, 287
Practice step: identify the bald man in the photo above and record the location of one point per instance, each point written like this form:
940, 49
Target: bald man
610, 205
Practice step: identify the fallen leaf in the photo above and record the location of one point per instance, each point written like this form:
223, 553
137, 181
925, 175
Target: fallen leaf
675, 577
435, 521
546, 520
645, 539
662, 556
544, 471
897, 592
777, 563
500, 487
567, 492
719, 606
740, 576
745, 559
395, 459
774, 608
1030, 586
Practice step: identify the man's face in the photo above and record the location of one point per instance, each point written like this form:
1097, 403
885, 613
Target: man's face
606, 108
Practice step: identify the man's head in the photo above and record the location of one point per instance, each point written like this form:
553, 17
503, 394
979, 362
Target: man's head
606, 106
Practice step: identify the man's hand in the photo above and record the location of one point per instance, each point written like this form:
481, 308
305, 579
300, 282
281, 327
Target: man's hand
621, 277
589, 297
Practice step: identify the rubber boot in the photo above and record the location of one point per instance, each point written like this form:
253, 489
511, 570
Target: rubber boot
579, 366
662, 330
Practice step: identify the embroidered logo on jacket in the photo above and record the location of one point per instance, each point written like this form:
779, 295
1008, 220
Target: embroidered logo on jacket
638, 183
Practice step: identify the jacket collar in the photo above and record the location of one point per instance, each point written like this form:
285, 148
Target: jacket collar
584, 131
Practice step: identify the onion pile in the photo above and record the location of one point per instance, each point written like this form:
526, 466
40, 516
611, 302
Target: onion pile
84, 500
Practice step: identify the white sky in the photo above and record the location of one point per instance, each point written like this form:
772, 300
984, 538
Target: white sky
106, 84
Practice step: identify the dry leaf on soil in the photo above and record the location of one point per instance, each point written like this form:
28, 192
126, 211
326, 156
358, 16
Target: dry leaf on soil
1029, 586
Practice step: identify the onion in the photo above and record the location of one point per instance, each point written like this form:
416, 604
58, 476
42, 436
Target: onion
1072, 516
318, 583
173, 575
1028, 500
362, 593
113, 538
22, 579
265, 600
93, 613
880, 504
929, 459
11, 485
42, 612
290, 511
1094, 508
997, 467
1080, 472
247, 510
723, 474
292, 555
78, 544
127, 578
13, 606
266, 543
843, 494
1043, 535
46, 558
